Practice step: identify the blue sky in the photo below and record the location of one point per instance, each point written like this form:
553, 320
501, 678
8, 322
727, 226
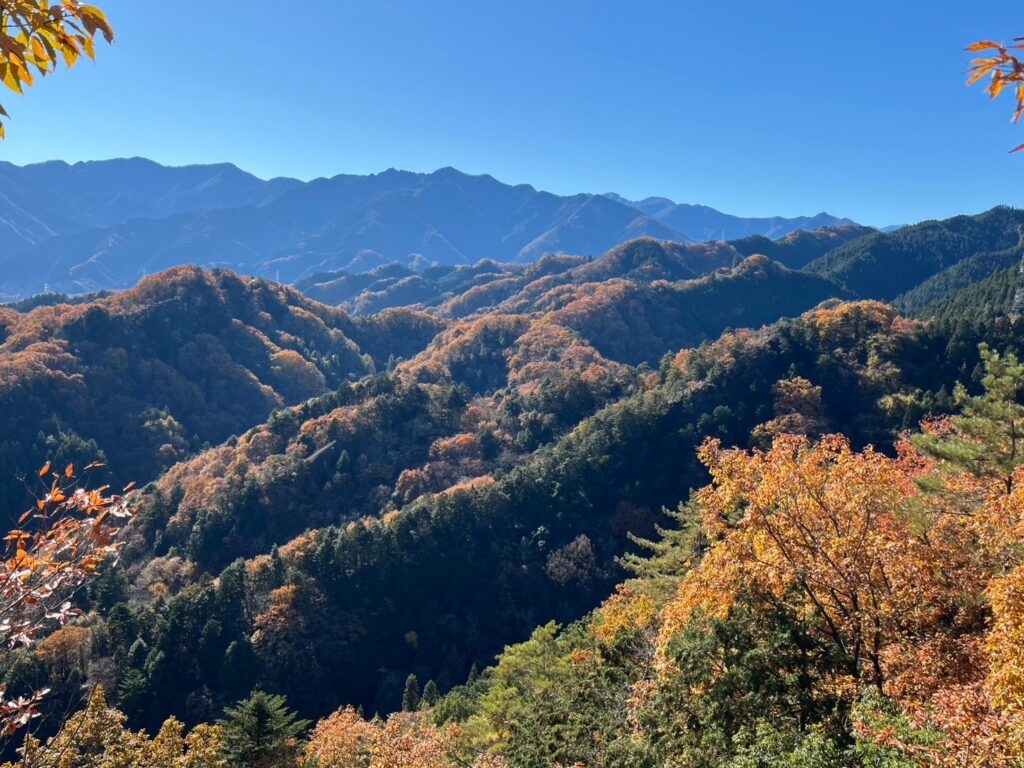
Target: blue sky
755, 108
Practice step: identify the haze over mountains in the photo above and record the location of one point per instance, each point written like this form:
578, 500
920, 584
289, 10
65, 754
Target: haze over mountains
105, 224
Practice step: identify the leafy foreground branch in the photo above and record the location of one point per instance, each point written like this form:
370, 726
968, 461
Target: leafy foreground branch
35, 35
60, 544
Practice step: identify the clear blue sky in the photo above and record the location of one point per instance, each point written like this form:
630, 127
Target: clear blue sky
858, 108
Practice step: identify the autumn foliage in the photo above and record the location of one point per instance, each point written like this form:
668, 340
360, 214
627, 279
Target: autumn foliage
63, 541
909, 567
1003, 68
35, 35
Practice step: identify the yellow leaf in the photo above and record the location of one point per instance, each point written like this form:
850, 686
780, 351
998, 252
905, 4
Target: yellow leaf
38, 50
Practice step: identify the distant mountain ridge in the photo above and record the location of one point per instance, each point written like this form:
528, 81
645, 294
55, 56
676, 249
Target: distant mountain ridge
106, 224
458, 291
702, 222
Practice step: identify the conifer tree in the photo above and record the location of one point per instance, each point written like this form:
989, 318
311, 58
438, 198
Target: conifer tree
411, 695
261, 730
986, 439
673, 552
431, 695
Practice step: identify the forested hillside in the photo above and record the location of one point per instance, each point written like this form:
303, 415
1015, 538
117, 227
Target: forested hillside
989, 299
912, 267
364, 509
185, 359
430, 470
886, 265
488, 286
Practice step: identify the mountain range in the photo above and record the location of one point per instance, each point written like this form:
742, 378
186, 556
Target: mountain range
98, 225
371, 478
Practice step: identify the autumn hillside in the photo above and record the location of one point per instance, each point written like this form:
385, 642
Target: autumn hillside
338, 500
489, 507
186, 358
462, 290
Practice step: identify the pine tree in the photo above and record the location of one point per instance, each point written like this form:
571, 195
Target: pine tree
987, 438
133, 694
344, 464
137, 653
261, 730
411, 696
674, 552
431, 695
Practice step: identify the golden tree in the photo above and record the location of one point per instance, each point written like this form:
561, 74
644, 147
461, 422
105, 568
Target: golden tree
832, 534
342, 740
96, 737
35, 35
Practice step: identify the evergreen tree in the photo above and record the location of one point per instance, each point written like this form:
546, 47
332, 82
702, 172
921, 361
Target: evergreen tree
344, 464
138, 653
673, 552
987, 438
261, 730
431, 695
133, 694
411, 696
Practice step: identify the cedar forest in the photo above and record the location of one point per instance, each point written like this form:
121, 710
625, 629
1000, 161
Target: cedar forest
734, 504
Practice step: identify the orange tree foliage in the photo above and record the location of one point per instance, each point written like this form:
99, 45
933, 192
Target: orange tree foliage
404, 740
831, 534
912, 567
1003, 68
37, 34
1005, 642
64, 539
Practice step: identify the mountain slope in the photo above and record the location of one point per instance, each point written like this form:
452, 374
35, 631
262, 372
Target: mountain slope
462, 291
446, 217
446, 578
983, 301
799, 248
68, 198
185, 358
885, 265
965, 273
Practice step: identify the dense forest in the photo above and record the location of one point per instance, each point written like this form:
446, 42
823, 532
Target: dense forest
355, 509
426, 470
